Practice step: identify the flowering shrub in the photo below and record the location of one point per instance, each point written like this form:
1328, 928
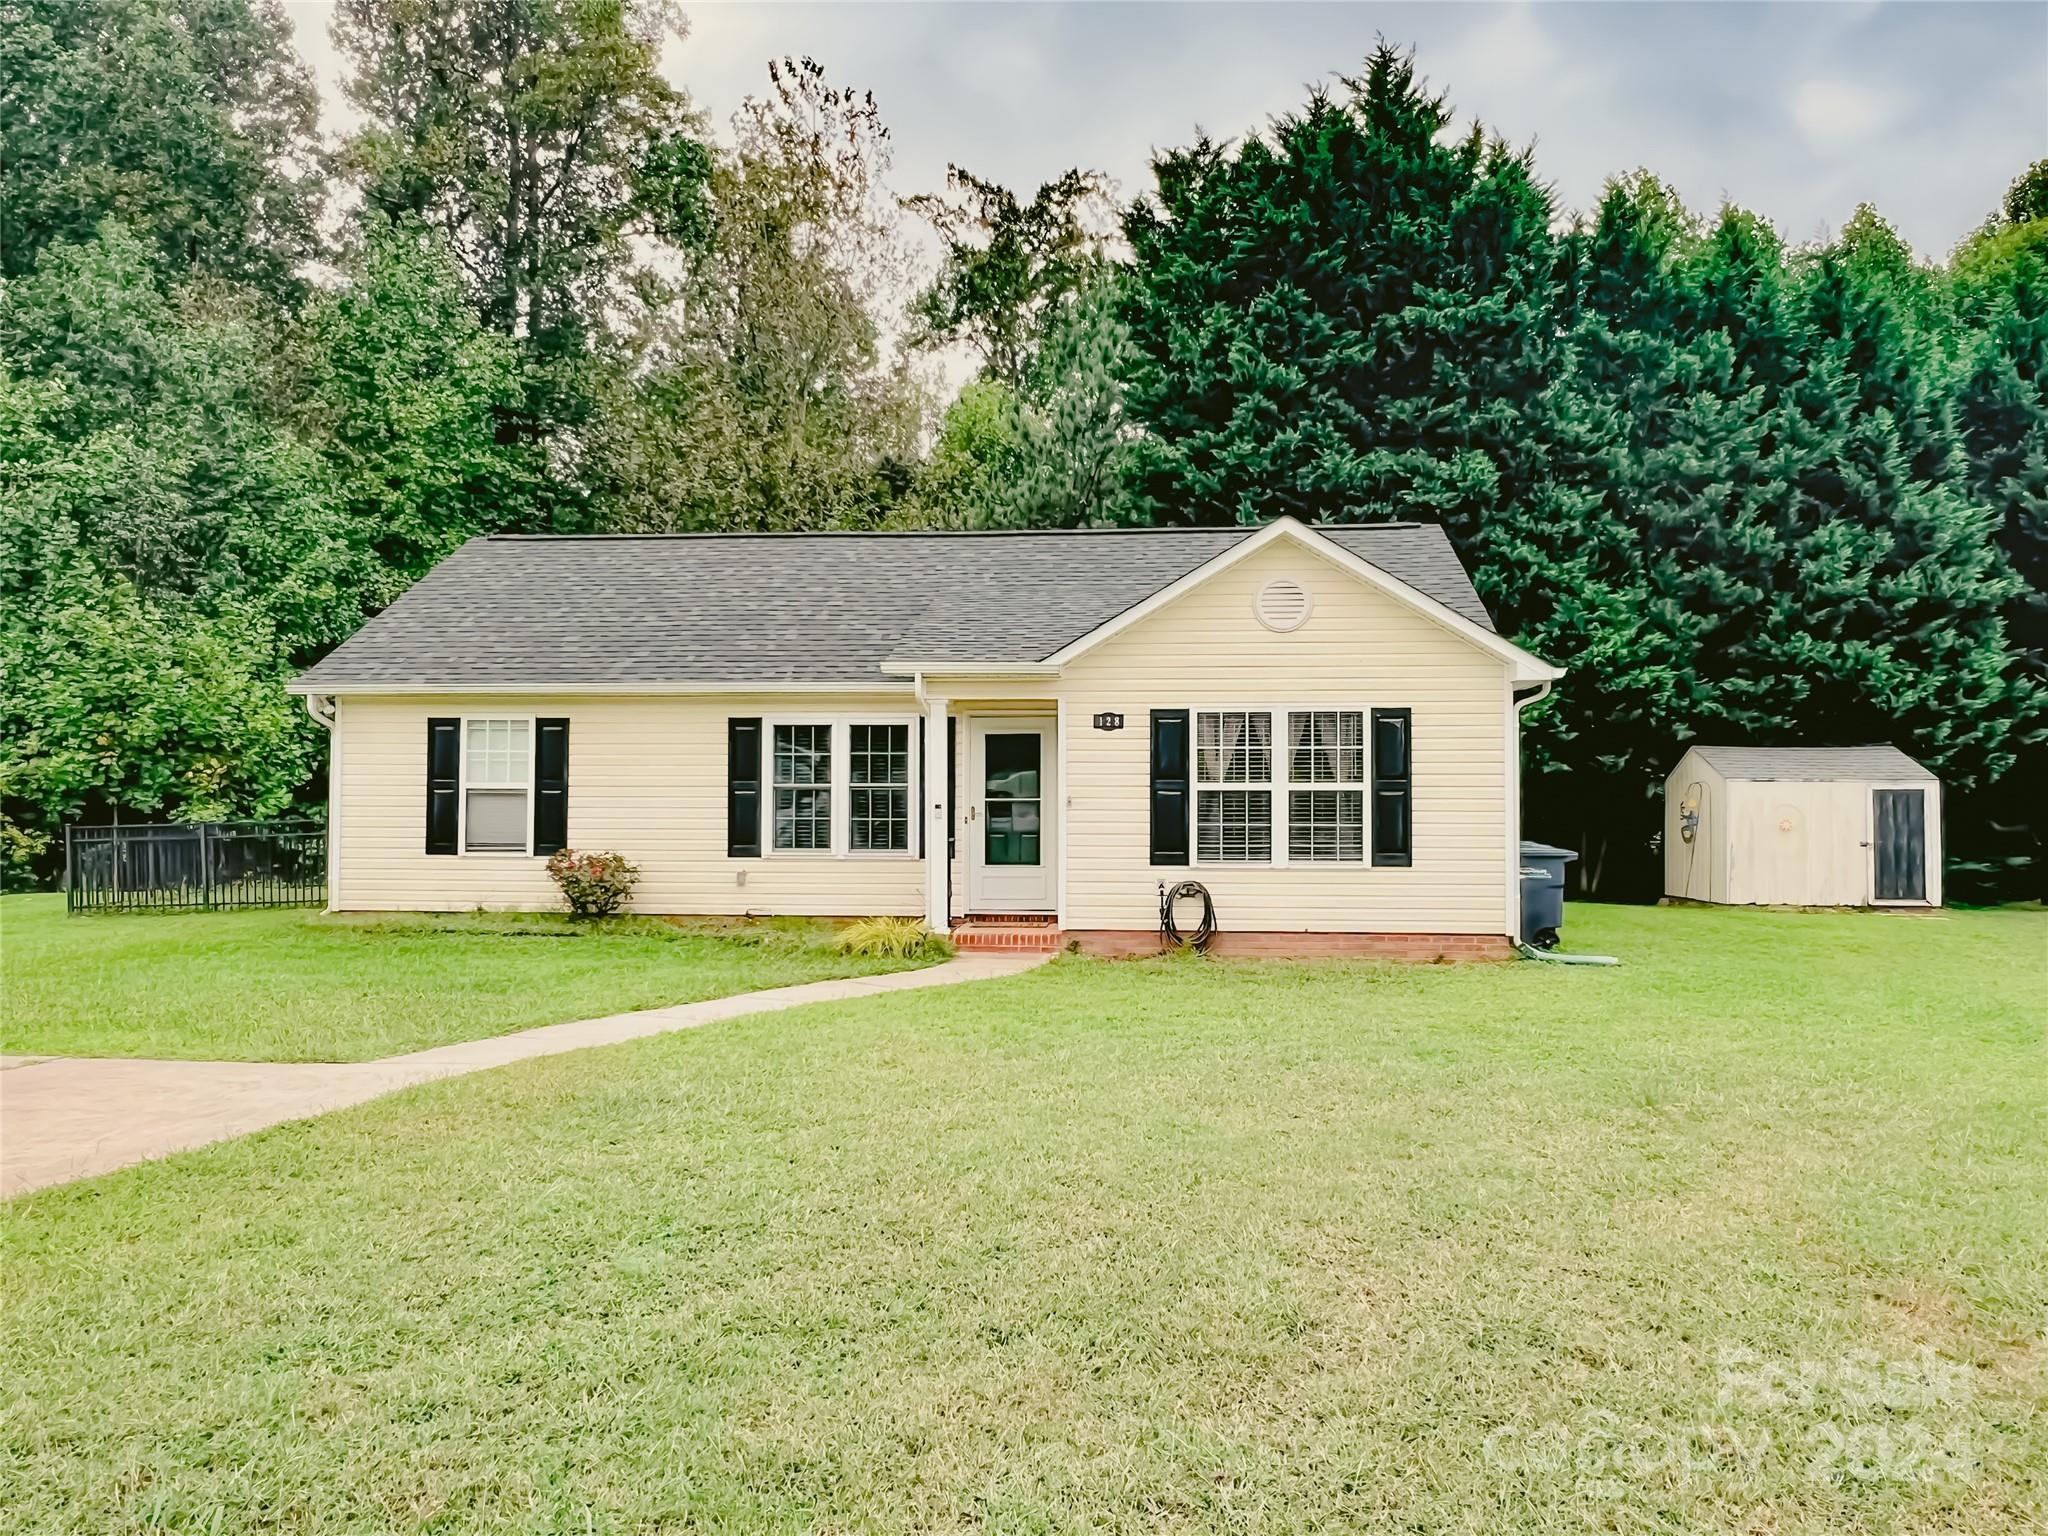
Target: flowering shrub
593, 884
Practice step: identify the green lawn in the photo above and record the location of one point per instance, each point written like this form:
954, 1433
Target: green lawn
1749, 1235
294, 985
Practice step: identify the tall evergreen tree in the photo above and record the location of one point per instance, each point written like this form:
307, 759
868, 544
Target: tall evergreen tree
1780, 547
2002, 410
1346, 317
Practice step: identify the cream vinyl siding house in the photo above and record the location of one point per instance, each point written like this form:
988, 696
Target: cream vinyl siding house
1358, 650
1037, 730
647, 776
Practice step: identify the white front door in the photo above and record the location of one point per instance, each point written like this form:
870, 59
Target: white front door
1010, 817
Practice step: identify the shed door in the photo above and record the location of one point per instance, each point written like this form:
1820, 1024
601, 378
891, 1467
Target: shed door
1900, 839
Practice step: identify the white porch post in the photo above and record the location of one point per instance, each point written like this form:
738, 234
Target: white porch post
938, 895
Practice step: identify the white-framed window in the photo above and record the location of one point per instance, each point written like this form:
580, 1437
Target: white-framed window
841, 787
1233, 786
497, 784
1326, 786
878, 788
1282, 785
803, 787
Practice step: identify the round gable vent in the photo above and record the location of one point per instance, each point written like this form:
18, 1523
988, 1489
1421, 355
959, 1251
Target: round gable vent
1283, 604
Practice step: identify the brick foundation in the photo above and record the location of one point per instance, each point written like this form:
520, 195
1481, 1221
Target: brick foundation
1416, 948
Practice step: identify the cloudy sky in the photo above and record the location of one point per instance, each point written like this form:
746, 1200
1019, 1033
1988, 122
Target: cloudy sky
1796, 111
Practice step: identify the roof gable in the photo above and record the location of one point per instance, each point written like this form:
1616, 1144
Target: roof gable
1527, 668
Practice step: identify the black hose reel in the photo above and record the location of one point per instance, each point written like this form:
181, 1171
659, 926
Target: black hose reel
1169, 930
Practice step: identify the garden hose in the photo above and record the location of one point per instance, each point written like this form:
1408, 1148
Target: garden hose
1169, 930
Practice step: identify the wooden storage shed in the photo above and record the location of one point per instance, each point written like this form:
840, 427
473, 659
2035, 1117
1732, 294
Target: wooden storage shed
1802, 827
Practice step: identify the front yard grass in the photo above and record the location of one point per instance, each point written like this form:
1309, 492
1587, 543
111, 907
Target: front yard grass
295, 985
1748, 1235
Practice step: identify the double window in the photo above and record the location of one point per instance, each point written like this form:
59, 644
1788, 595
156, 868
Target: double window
1305, 797
828, 774
497, 785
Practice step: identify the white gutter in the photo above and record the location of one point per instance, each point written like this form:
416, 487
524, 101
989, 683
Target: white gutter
897, 665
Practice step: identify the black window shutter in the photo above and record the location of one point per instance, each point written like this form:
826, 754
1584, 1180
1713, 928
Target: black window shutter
743, 789
1393, 792
444, 783
917, 777
550, 786
1169, 786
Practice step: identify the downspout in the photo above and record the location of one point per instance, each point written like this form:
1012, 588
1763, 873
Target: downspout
1517, 703
325, 710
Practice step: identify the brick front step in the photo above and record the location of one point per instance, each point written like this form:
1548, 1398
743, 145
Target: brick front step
1039, 936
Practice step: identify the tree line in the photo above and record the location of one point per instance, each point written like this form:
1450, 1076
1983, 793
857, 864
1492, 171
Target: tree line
254, 382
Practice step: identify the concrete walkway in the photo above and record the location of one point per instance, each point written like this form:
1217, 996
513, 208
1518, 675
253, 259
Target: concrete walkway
64, 1117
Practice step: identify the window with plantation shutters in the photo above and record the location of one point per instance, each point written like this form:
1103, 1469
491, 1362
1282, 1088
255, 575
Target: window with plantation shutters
1233, 787
1282, 786
878, 788
842, 788
1326, 786
802, 759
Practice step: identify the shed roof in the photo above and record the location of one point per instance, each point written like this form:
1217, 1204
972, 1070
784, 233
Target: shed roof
793, 609
1812, 764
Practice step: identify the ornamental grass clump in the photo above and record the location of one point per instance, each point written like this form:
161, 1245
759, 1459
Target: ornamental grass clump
893, 938
593, 884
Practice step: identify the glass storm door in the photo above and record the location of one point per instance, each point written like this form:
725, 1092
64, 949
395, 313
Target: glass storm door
1010, 823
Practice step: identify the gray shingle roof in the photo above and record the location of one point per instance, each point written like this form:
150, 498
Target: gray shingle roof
686, 609
1817, 764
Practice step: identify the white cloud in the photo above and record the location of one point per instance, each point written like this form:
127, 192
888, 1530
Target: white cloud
1836, 113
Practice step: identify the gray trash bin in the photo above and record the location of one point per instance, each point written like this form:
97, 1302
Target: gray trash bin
1543, 893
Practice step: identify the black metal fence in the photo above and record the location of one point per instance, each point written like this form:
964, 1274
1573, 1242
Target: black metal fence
195, 866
